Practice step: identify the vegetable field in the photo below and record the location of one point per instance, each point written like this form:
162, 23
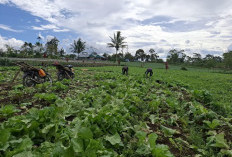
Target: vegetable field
103, 113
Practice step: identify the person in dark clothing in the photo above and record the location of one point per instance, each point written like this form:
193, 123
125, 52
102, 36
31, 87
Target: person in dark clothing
125, 70
166, 66
149, 72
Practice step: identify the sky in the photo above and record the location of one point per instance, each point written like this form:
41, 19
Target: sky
196, 26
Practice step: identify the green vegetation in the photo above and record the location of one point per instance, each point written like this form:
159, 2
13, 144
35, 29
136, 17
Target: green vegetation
104, 113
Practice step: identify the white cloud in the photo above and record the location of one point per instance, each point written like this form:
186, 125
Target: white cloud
60, 30
8, 28
187, 41
49, 38
3, 1
45, 27
49, 27
11, 42
230, 47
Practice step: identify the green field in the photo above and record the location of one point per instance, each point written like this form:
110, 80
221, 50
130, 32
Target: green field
103, 113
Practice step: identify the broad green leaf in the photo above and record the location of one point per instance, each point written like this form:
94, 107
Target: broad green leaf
168, 132
77, 145
46, 129
141, 136
85, 133
226, 152
220, 141
153, 118
26, 144
92, 148
24, 154
161, 151
212, 125
143, 149
4, 137
115, 139
152, 140
60, 103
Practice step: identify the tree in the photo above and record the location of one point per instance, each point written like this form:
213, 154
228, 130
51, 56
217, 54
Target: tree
117, 42
197, 59
189, 59
78, 46
72, 56
152, 51
30, 49
148, 57
211, 61
140, 54
10, 51
24, 49
27, 49
129, 56
120, 56
52, 46
228, 59
2, 53
39, 47
154, 56
61, 52
105, 55
175, 56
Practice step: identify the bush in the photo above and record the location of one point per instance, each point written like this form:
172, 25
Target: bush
183, 68
5, 62
202, 96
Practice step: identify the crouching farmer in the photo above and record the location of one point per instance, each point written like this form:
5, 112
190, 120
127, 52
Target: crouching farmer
149, 72
125, 70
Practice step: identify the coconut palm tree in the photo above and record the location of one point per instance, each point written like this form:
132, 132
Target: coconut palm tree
78, 46
117, 42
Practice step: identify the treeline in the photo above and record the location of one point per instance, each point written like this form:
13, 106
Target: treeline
38, 50
140, 55
177, 57
209, 61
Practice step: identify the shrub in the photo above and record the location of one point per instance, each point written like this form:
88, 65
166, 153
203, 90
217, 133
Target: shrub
183, 68
5, 62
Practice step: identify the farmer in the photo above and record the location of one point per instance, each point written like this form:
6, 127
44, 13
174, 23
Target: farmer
125, 70
166, 65
67, 59
118, 62
44, 55
149, 71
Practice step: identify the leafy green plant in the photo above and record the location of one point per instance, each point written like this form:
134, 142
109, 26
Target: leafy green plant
106, 114
8, 110
212, 125
217, 140
59, 86
49, 97
161, 151
168, 132
203, 96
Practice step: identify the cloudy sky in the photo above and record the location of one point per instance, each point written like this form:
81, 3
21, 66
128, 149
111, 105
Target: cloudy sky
202, 26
